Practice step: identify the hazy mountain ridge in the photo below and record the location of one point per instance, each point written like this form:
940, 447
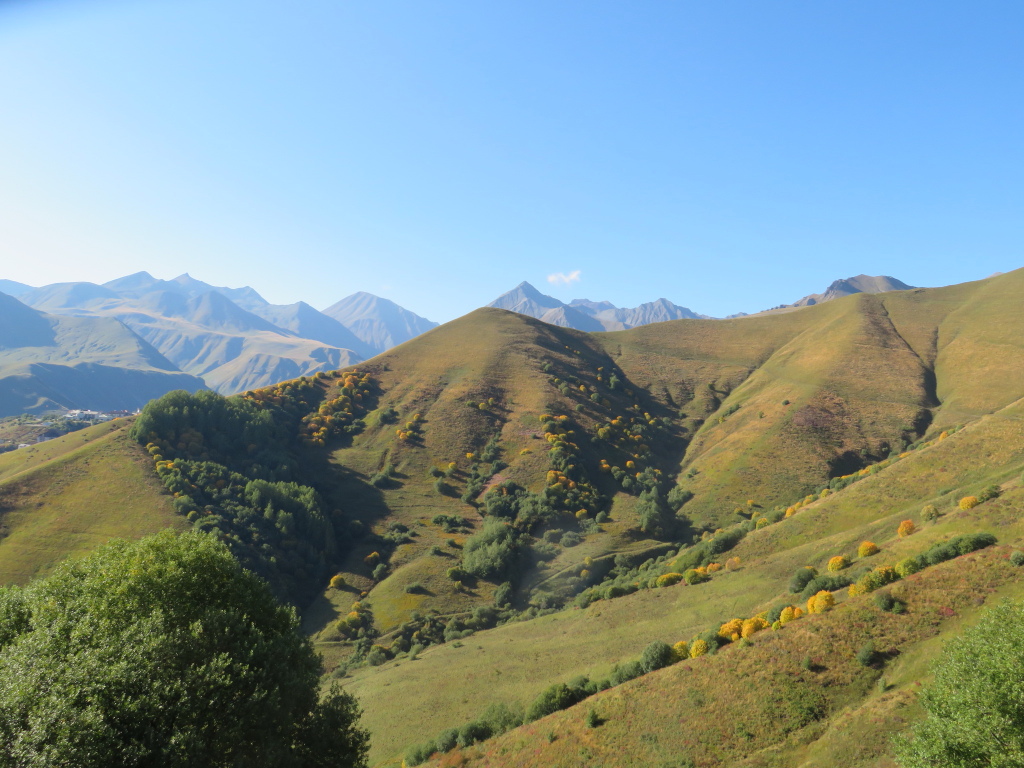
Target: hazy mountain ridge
230, 338
52, 361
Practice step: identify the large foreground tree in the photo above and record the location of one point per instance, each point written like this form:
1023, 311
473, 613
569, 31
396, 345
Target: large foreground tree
163, 652
975, 706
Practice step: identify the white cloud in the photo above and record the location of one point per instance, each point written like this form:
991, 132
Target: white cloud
565, 279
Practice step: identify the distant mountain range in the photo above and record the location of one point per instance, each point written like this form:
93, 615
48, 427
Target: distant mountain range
586, 315
185, 333
49, 362
138, 336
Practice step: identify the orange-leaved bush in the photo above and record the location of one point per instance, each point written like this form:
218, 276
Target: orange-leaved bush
906, 528
867, 549
968, 502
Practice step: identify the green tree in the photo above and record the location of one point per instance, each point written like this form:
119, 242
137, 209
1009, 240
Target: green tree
163, 652
975, 707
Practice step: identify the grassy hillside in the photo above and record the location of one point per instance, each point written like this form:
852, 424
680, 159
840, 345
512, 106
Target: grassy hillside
510, 505
517, 661
64, 497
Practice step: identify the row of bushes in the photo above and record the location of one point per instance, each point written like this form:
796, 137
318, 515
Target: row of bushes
499, 718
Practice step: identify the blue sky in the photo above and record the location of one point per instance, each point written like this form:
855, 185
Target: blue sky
727, 156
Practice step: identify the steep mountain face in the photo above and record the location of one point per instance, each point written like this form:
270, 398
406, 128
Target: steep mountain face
379, 323
586, 315
51, 361
851, 285
305, 321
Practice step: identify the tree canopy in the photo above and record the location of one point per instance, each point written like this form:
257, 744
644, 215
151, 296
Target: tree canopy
163, 652
975, 706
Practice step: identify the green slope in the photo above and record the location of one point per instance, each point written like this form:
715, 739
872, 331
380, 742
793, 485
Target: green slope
67, 496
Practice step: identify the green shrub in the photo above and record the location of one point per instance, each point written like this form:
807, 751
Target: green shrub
678, 496
959, 545
622, 673
557, 697
887, 602
472, 733
656, 655
491, 552
447, 740
801, 579
570, 539
909, 566
503, 595
991, 492
1017, 558
830, 582
501, 718
693, 576
420, 753
867, 655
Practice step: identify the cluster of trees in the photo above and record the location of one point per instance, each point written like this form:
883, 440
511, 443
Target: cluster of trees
231, 464
340, 415
167, 652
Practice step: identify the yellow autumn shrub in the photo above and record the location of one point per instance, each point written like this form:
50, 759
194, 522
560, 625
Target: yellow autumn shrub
837, 564
867, 549
752, 625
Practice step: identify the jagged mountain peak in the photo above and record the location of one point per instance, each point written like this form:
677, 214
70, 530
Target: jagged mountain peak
379, 323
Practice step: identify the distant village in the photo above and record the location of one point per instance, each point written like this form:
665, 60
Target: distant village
27, 430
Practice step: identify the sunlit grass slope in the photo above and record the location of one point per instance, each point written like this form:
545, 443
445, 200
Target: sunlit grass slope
515, 662
65, 497
502, 364
789, 698
780, 402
